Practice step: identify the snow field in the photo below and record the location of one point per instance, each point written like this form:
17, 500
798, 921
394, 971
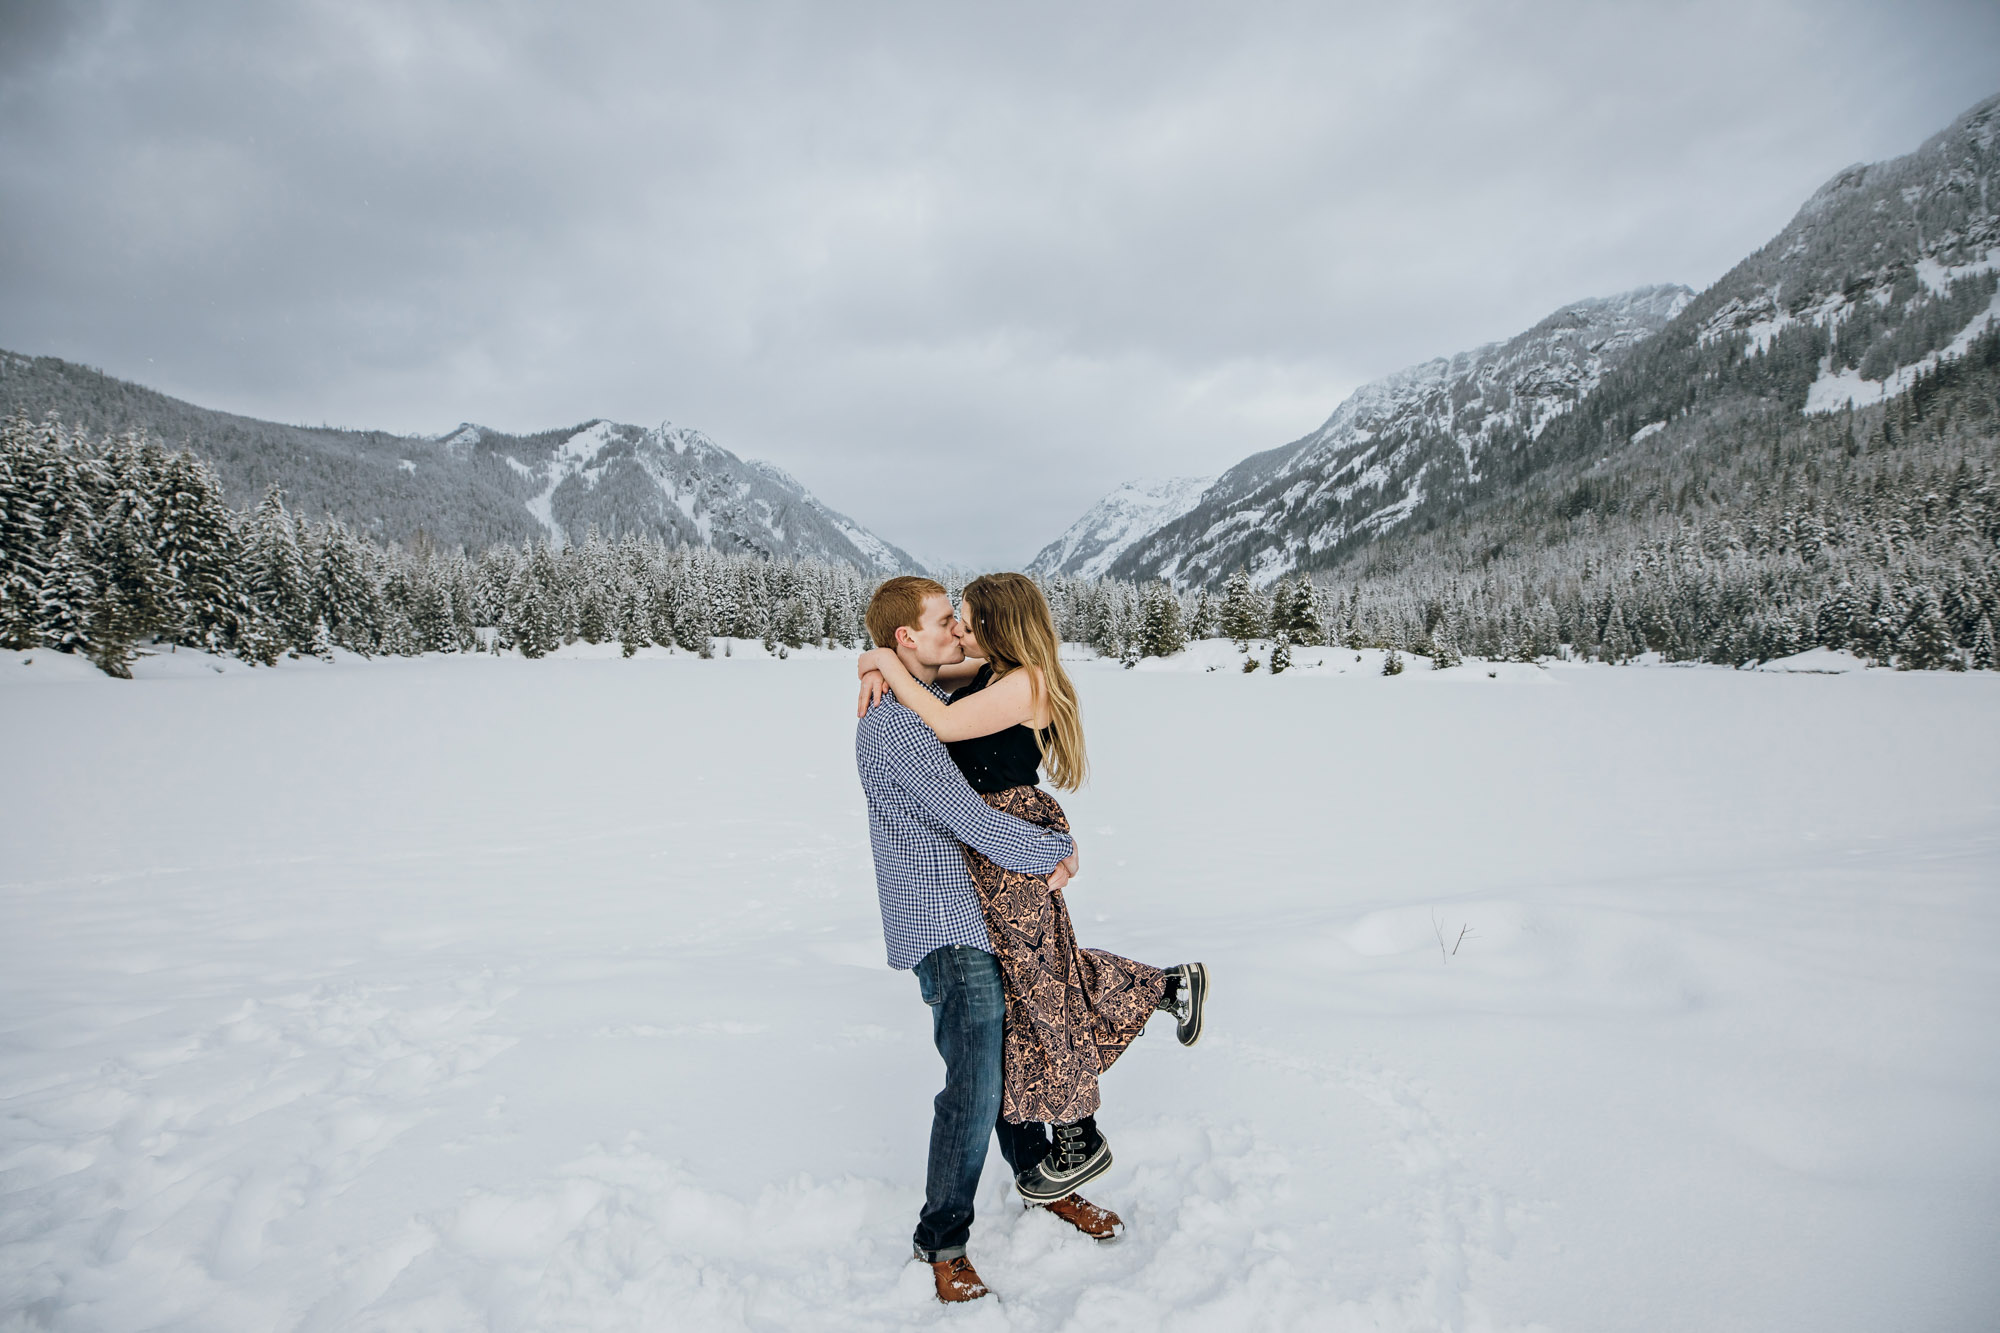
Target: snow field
480, 993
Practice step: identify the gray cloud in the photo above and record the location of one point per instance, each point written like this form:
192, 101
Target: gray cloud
961, 270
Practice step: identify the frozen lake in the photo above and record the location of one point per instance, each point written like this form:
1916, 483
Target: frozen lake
479, 993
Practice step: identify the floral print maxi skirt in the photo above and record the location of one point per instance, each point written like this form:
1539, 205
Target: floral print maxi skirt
1070, 1011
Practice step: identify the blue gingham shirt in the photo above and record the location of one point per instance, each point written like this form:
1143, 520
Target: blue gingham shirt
920, 810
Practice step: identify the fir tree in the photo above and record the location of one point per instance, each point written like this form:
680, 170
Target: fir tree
1160, 632
1296, 611
1244, 616
135, 597
71, 601
1201, 621
1982, 645
202, 556
634, 622
26, 538
1925, 642
536, 604
344, 597
279, 582
1281, 653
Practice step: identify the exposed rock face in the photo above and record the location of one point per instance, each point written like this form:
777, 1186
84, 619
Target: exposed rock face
1418, 435
1135, 510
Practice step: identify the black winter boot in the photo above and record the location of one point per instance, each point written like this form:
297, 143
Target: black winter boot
1079, 1154
1185, 998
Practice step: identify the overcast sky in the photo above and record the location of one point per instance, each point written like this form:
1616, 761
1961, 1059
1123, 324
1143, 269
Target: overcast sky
960, 268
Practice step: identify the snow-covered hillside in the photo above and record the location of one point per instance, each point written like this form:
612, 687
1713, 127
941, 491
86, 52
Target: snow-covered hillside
1422, 431
677, 485
1886, 272
1108, 528
1891, 266
478, 993
472, 486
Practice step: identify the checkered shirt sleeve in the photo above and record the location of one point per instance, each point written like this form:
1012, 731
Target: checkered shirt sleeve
920, 809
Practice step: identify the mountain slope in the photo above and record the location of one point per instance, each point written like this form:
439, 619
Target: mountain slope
473, 486
1092, 544
1417, 436
1886, 271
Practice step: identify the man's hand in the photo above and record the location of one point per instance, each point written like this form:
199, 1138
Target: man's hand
873, 687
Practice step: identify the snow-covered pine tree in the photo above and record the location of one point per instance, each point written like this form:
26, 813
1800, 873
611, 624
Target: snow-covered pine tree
1244, 614
596, 612
280, 584
344, 597
1444, 648
538, 613
634, 619
71, 600
202, 555
1834, 617
26, 541
1925, 642
1201, 620
433, 616
695, 620
1983, 650
1160, 630
135, 596
1296, 610
1281, 652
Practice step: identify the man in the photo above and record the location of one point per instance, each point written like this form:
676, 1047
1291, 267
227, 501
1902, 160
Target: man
919, 812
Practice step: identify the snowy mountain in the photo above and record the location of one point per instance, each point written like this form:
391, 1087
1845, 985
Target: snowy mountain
1107, 530
473, 486
1888, 269
1886, 272
1431, 430
677, 485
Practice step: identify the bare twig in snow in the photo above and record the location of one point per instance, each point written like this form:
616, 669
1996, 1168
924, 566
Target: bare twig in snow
1446, 952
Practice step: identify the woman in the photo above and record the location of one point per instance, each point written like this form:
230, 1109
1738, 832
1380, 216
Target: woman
1070, 1011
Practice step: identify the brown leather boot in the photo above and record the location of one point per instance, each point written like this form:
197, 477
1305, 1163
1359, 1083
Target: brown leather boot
957, 1280
1100, 1224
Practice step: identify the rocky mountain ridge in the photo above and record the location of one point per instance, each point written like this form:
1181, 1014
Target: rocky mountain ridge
473, 486
1887, 271
1421, 433
1091, 545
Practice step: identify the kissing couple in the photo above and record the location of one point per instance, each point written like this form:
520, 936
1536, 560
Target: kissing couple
959, 713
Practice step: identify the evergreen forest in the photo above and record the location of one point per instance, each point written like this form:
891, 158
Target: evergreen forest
1877, 532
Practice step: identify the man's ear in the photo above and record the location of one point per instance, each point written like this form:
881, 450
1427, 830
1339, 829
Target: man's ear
905, 638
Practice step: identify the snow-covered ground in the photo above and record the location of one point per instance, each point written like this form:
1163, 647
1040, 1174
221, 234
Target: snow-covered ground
480, 993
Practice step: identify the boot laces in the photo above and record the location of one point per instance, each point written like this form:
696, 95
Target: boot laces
1071, 1149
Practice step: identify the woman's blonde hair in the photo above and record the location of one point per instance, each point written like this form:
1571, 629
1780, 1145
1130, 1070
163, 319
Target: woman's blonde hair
1011, 619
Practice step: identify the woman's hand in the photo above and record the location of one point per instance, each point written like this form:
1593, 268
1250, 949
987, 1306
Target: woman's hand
873, 687
872, 661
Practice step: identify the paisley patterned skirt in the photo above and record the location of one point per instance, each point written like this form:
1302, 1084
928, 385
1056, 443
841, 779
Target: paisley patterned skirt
1070, 1011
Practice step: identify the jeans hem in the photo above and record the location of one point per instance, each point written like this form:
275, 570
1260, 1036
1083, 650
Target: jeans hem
944, 1255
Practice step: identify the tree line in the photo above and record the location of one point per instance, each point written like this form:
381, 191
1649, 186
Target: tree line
110, 544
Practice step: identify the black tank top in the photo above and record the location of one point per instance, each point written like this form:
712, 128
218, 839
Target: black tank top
1005, 759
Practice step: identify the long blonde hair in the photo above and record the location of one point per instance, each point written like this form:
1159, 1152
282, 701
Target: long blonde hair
1011, 620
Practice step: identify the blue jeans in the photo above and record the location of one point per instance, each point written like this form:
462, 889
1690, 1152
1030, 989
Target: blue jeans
968, 1006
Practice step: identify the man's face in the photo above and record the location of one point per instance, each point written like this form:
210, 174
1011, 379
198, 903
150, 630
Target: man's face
935, 641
